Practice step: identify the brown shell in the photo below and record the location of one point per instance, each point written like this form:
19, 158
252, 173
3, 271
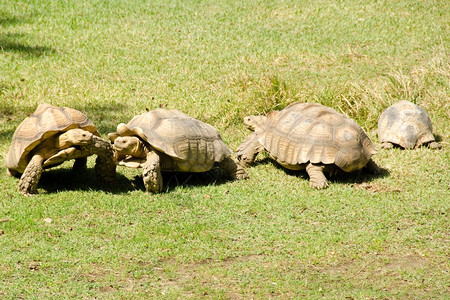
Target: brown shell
310, 132
405, 124
46, 121
195, 145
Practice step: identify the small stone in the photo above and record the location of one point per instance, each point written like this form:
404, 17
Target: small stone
48, 220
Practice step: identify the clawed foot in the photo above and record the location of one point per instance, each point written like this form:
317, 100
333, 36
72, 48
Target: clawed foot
435, 145
386, 145
319, 185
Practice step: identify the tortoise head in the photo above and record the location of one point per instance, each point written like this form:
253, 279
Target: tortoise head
254, 121
129, 145
73, 137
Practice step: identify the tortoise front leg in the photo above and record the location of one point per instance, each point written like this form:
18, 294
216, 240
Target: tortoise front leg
234, 170
105, 167
29, 180
316, 177
435, 145
151, 172
387, 145
248, 150
105, 170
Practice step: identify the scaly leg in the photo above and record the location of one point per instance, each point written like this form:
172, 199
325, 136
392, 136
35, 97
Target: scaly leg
234, 170
316, 177
435, 145
151, 172
105, 167
387, 145
248, 150
30, 177
105, 170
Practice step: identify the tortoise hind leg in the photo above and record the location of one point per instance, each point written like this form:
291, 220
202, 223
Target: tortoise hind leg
151, 172
234, 170
316, 177
30, 178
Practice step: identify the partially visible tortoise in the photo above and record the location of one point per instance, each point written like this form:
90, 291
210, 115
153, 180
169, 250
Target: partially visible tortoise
169, 140
309, 136
406, 125
52, 135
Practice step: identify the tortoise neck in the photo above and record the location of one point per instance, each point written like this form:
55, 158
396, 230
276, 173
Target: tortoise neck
141, 150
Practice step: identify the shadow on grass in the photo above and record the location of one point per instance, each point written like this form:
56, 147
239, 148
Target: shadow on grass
64, 179
9, 43
9, 21
356, 177
172, 180
106, 117
11, 116
438, 138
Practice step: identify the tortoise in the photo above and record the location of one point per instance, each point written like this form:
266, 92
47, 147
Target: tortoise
164, 140
52, 135
309, 136
406, 125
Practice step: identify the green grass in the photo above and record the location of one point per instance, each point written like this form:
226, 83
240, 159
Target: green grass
270, 236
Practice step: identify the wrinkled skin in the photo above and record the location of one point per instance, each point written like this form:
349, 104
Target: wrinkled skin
73, 144
156, 161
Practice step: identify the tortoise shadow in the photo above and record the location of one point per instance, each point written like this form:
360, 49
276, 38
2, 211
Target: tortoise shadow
438, 138
356, 177
9, 43
65, 179
173, 180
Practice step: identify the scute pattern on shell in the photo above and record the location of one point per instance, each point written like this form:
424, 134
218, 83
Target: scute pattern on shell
405, 124
45, 122
194, 144
310, 132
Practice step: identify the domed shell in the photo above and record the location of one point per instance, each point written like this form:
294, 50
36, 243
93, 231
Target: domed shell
195, 144
46, 121
405, 124
310, 132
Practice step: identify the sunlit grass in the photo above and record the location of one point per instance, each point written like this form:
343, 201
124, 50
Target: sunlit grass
270, 236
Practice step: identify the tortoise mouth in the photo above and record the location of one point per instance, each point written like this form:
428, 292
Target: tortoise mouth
121, 150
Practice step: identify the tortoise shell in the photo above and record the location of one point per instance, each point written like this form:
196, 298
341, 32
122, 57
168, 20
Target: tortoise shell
195, 145
405, 124
310, 132
45, 122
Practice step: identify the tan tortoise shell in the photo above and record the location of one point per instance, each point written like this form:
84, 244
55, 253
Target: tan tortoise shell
194, 144
46, 121
310, 132
405, 124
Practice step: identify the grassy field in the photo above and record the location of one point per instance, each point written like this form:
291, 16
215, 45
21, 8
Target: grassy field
271, 236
